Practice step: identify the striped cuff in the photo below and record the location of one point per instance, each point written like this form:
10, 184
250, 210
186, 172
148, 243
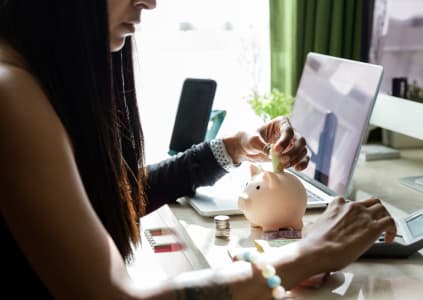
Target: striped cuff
221, 155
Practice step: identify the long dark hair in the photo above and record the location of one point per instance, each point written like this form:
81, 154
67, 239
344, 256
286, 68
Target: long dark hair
66, 47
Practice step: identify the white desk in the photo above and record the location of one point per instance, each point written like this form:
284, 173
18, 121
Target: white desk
381, 178
365, 279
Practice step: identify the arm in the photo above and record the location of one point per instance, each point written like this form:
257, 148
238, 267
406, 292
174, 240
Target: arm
198, 166
43, 201
181, 174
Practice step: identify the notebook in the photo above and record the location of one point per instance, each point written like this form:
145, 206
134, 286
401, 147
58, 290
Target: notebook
167, 250
333, 104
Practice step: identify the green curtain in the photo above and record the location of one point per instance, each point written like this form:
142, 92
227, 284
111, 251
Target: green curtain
334, 27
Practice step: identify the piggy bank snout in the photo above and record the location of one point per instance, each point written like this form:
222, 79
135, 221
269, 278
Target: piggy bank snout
243, 200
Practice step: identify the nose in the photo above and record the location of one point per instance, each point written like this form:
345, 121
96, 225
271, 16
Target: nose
145, 4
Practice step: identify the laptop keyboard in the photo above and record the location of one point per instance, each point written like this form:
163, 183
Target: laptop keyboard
312, 197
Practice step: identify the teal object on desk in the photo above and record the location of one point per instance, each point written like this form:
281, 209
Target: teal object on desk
215, 122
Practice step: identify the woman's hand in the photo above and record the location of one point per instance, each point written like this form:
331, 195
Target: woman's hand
345, 231
279, 131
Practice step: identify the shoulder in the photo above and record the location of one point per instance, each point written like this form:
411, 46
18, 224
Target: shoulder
22, 99
30, 129
16, 83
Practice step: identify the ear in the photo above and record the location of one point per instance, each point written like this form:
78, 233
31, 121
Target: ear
270, 178
254, 170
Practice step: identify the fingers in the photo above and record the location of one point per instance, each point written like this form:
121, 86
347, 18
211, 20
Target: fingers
340, 200
271, 131
335, 204
387, 224
258, 144
370, 202
382, 218
296, 157
291, 148
287, 134
378, 210
375, 208
293, 155
302, 164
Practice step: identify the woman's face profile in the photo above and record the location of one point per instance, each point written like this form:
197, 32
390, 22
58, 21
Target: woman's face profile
124, 15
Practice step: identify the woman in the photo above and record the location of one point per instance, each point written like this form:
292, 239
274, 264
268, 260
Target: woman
73, 179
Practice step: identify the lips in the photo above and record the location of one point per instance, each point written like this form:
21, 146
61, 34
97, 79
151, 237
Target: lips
130, 27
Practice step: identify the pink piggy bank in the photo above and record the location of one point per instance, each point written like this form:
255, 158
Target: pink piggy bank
273, 200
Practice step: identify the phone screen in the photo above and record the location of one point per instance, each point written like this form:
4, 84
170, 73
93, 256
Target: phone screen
192, 116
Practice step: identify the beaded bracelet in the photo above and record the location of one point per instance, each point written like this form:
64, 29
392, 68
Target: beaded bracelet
267, 270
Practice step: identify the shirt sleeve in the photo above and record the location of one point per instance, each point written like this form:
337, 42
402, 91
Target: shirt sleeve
221, 154
181, 174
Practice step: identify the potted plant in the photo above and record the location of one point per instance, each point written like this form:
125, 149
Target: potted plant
271, 105
415, 92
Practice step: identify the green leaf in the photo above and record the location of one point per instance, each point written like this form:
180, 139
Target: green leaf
271, 105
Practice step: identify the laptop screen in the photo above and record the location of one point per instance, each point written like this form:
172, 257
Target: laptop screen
332, 108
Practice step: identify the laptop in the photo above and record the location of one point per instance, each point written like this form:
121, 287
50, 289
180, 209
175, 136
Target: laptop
222, 197
334, 101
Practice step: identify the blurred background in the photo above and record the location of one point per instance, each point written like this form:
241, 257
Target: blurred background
225, 40
255, 51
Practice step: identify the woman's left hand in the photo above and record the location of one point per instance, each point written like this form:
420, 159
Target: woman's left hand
279, 132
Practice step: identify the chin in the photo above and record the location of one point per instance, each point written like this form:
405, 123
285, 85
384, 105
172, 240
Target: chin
117, 44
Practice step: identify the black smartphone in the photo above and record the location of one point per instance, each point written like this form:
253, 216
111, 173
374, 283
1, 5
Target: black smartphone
193, 114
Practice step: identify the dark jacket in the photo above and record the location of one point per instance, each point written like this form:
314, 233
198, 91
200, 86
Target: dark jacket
181, 175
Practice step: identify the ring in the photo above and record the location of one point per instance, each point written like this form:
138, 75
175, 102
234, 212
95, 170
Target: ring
267, 148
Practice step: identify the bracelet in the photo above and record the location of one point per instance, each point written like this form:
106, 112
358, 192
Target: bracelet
267, 270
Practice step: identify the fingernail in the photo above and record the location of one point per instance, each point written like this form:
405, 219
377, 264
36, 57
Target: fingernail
285, 159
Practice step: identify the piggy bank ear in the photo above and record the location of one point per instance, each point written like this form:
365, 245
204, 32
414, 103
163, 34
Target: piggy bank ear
270, 178
254, 170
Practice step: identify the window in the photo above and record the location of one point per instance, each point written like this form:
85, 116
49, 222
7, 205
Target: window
397, 41
226, 40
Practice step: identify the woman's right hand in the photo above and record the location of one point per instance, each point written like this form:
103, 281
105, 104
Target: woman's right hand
337, 238
345, 231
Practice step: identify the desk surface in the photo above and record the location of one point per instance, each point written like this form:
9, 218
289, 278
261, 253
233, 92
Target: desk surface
364, 279
381, 178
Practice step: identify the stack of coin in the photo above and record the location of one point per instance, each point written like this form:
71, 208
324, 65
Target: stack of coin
223, 227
